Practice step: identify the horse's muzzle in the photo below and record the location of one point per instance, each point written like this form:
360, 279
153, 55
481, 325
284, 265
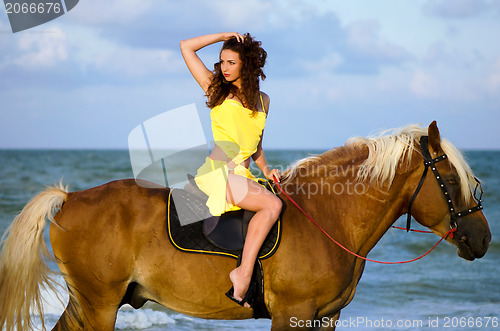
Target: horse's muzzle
472, 239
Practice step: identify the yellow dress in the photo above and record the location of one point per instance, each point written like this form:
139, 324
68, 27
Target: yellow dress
237, 134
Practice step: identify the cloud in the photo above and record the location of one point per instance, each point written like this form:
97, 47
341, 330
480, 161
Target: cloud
493, 81
327, 63
42, 50
366, 43
456, 8
437, 53
164, 23
304, 36
321, 42
238, 14
78, 57
294, 50
139, 62
440, 53
95, 54
4, 24
110, 12
424, 85
445, 83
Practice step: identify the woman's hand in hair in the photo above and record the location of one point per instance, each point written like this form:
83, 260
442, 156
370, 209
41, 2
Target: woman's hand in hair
229, 35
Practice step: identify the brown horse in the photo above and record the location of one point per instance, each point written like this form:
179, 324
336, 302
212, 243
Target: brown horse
111, 247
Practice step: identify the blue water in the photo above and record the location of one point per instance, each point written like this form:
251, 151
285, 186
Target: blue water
440, 290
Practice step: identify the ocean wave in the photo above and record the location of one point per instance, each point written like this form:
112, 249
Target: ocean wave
142, 318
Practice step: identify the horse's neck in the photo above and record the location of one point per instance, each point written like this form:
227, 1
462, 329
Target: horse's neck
361, 212
384, 207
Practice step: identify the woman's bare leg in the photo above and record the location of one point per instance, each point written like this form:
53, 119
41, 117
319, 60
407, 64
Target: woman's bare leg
250, 195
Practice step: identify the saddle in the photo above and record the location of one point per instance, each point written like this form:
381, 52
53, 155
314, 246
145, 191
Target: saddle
191, 227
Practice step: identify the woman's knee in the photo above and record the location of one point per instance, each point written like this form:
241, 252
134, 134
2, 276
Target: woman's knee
274, 207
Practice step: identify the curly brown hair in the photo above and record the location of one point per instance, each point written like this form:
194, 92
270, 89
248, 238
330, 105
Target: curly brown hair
253, 58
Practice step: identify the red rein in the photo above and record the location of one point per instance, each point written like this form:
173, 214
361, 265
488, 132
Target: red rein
449, 233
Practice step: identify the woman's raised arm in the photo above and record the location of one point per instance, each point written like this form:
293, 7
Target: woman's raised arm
189, 47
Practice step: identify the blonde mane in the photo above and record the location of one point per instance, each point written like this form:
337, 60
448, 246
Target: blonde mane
386, 152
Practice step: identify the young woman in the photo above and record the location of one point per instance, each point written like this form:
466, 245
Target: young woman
238, 113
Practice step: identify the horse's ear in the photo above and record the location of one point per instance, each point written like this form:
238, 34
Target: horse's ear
434, 136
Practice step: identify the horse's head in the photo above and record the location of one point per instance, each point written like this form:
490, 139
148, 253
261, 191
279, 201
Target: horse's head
446, 200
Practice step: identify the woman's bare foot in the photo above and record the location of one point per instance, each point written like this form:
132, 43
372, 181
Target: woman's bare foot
241, 283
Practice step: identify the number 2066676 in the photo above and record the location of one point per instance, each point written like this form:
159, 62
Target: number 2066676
33, 8
470, 322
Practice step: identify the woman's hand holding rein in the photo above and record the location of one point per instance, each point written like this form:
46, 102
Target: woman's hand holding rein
274, 175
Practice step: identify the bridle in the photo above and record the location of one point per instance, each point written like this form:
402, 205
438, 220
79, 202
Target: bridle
429, 162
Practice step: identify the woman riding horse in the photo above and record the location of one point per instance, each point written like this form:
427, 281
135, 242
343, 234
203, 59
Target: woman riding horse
112, 248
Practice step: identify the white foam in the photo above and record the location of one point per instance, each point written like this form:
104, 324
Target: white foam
52, 304
142, 318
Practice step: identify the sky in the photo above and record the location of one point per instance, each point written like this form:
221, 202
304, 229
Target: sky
336, 69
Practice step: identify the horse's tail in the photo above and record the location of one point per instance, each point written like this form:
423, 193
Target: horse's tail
23, 259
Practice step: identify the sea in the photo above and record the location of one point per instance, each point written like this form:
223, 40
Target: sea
439, 292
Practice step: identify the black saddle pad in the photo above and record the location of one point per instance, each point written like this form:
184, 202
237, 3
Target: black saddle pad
191, 238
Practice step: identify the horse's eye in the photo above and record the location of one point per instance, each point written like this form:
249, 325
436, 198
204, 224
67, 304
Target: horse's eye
452, 181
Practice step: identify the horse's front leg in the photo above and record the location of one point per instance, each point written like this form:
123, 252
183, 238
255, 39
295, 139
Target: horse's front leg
329, 322
287, 315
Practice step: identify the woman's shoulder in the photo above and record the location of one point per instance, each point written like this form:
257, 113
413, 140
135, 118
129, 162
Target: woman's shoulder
266, 101
264, 96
